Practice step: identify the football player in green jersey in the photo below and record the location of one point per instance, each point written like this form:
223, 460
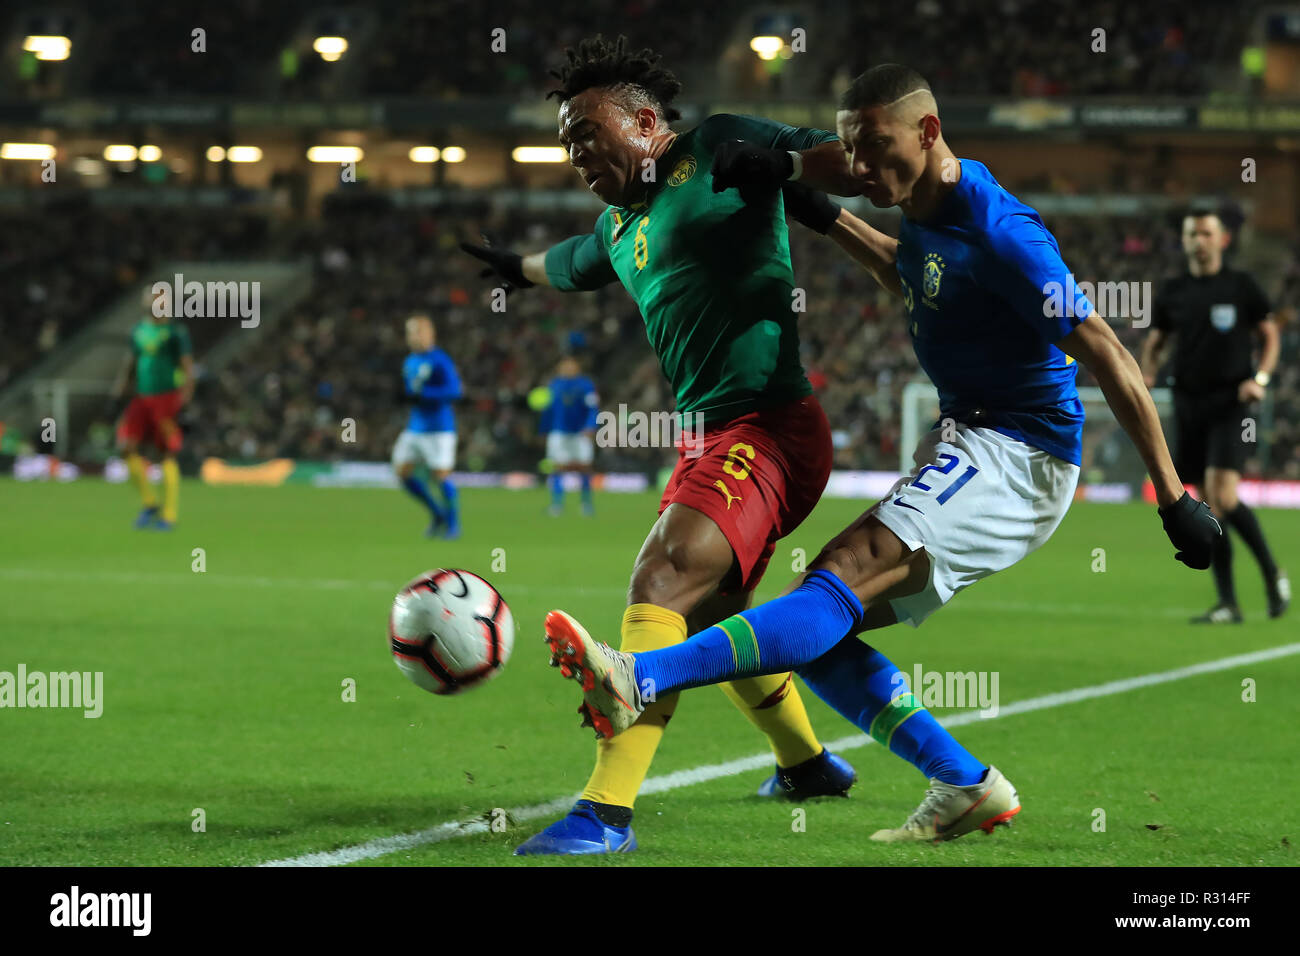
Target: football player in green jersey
710, 271
162, 366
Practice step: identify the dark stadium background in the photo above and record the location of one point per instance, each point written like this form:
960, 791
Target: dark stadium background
1110, 146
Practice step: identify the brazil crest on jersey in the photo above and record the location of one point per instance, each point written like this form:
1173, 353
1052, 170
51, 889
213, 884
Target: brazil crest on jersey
988, 297
710, 273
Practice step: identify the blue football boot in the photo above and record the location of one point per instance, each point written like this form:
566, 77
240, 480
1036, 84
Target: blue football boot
580, 832
825, 775
145, 518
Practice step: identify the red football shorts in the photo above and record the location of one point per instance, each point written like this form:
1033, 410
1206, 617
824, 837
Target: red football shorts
152, 418
758, 477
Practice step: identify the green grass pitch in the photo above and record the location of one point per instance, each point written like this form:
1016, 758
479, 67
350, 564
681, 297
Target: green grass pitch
223, 693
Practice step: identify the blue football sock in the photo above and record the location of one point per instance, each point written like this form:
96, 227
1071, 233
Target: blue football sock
586, 488
420, 491
773, 637
451, 497
865, 687
557, 488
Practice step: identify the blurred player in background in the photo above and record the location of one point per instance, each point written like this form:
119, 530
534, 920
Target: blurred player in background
993, 479
570, 425
162, 365
429, 384
712, 277
1215, 316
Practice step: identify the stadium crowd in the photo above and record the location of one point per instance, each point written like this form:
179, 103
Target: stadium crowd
334, 356
400, 48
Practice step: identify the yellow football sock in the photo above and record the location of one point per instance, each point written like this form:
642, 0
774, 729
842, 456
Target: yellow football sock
623, 761
171, 489
773, 705
139, 473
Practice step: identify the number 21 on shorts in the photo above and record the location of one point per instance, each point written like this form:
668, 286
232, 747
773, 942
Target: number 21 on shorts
949, 463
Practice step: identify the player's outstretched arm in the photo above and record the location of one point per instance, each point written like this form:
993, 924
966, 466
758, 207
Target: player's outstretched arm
875, 251
503, 264
1189, 523
870, 247
750, 166
579, 263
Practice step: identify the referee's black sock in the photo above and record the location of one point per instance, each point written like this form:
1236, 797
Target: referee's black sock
1243, 519
1221, 565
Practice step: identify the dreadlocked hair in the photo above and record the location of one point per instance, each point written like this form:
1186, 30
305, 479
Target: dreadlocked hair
634, 77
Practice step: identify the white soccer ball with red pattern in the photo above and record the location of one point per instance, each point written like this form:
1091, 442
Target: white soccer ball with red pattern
450, 630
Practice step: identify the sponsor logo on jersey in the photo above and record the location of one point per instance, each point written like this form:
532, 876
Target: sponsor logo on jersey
683, 171
931, 276
1223, 317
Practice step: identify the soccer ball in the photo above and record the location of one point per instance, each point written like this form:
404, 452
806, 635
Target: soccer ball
450, 630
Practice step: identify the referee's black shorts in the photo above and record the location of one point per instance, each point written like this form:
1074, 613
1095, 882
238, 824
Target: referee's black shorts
1208, 432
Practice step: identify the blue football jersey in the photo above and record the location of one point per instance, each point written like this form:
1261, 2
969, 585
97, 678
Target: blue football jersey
987, 298
431, 377
573, 406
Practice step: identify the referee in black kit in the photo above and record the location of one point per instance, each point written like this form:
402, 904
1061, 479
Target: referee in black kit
1214, 315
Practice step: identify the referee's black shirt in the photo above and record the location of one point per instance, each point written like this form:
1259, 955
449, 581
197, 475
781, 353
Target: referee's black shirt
1212, 319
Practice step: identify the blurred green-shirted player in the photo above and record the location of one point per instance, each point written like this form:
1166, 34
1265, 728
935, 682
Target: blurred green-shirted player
162, 367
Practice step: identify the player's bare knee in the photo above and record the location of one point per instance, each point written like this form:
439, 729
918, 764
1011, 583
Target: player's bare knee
853, 563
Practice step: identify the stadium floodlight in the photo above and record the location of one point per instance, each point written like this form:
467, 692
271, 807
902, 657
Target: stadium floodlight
48, 47
425, 154
330, 48
335, 154
453, 154
539, 154
244, 154
120, 153
215, 154
26, 151
150, 154
767, 48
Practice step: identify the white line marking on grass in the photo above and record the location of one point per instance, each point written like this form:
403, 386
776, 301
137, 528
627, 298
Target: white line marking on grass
685, 778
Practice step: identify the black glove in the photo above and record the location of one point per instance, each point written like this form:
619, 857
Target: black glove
754, 170
812, 208
1193, 529
501, 262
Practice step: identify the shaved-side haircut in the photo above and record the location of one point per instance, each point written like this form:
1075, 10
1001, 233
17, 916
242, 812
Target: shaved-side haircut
894, 86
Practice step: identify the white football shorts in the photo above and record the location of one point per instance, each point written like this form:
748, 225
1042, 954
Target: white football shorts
563, 448
977, 505
436, 450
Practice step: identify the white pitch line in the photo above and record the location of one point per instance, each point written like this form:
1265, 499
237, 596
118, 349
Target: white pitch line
685, 778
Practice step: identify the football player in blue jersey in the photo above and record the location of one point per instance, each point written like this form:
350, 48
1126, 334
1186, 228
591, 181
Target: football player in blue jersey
998, 326
430, 385
569, 423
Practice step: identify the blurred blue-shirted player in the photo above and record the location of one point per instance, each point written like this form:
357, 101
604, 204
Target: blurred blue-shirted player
430, 384
569, 423
999, 326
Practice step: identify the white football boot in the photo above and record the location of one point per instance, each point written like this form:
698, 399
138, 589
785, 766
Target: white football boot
612, 701
949, 811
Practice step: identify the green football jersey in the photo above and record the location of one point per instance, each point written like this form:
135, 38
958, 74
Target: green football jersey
710, 273
158, 348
